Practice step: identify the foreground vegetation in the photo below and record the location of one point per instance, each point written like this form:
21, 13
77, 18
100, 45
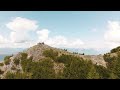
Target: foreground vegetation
75, 67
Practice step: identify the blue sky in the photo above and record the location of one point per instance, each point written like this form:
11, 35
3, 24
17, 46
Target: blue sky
86, 29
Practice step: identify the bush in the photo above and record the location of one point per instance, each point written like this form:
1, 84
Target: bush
66, 59
43, 70
7, 61
104, 73
7, 57
115, 49
16, 75
77, 69
38, 70
16, 61
113, 64
26, 65
50, 53
1, 64
1, 72
24, 56
9, 75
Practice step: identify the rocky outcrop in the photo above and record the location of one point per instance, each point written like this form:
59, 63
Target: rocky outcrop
36, 52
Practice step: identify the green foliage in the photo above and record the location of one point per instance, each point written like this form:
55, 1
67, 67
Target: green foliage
16, 61
115, 50
65, 59
9, 75
50, 53
24, 56
7, 60
77, 68
1, 64
43, 70
38, 70
113, 76
113, 64
104, 73
93, 74
7, 57
16, 75
26, 65
1, 72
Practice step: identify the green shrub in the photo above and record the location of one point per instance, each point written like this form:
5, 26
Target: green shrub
9, 75
24, 56
16, 61
43, 70
7, 57
50, 53
26, 65
104, 73
38, 70
66, 59
16, 75
115, 49
1, 64
76, 70
1, 72
7, 61
93, 74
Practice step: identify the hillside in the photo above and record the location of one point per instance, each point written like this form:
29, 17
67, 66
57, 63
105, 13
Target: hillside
45, 62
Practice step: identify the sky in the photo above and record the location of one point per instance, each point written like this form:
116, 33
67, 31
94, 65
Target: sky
98, 30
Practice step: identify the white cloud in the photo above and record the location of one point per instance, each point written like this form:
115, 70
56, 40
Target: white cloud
3, 40
22, 24
19, 37
43, 34
112, 35
58, 41
20, 29
61, 41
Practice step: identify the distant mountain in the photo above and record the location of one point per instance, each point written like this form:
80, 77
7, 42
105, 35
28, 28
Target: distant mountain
88, 51
9, 51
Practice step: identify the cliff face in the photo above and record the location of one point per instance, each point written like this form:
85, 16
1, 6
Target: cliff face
36, 52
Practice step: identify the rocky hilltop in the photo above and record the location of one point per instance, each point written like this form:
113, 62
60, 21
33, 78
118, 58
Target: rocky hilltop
36, 54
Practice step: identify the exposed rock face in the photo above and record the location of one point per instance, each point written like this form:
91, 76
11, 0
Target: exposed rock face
37, 51
96, 59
